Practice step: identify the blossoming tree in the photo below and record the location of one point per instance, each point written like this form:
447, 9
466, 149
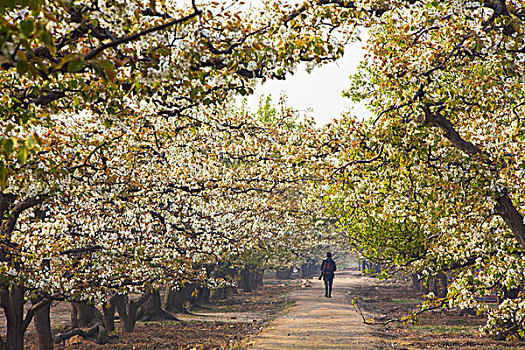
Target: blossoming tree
120, 169
435, 178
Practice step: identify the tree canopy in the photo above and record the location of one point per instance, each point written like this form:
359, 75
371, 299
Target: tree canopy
123, 165
434, 181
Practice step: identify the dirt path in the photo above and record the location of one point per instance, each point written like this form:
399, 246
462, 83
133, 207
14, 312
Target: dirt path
316, 322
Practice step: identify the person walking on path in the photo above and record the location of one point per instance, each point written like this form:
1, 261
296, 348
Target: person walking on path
328, 268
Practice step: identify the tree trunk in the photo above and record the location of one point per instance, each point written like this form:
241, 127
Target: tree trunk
42, 323
416, 283
423, 285
152, 310
283, 274
126, 314
440, 285
12, 300
108, 313
309, 269
245, 280
512, 217
259, 274
223, 292
304, 270
176, 300
203, 296
127, 309
85, 315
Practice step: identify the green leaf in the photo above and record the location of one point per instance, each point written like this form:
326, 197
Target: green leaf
8, 146
9, 3
108, 67
47, 39
30, 142
75, 65
22, 67
3, 175
8, 128
22, 155
27, 27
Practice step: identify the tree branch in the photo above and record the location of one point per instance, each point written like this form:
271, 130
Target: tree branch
505, 208
449, 132
31, 312
95, 52
9, 224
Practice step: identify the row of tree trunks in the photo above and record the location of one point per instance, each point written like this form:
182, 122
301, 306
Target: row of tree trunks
437, 284
283, 274
370, 267
223, 292
84, 315
363, 265
250, 279
309, 269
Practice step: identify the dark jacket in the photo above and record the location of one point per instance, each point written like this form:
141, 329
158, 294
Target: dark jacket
328, 268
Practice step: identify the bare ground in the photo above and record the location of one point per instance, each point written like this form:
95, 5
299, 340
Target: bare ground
440, 329
221, 325
309, 321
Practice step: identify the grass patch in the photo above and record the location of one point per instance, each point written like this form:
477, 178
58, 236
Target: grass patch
406, 301
444, 329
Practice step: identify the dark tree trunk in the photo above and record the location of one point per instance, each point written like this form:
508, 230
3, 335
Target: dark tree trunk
204, 296
42, 322
424, 284
283, 274
304, 270
152, 310
439, 285
108, 313
127, 309
228, 274
259, 274
176, 300
245, 281
365, 266
416, 283
309, 269
512, 217
85, 315
12, 300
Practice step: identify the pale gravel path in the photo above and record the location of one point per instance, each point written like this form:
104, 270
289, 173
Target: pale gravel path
316, 322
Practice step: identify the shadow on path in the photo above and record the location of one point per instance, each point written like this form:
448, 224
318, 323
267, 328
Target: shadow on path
316, 322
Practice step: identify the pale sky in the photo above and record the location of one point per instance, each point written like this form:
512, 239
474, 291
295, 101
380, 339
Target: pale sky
320, 90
